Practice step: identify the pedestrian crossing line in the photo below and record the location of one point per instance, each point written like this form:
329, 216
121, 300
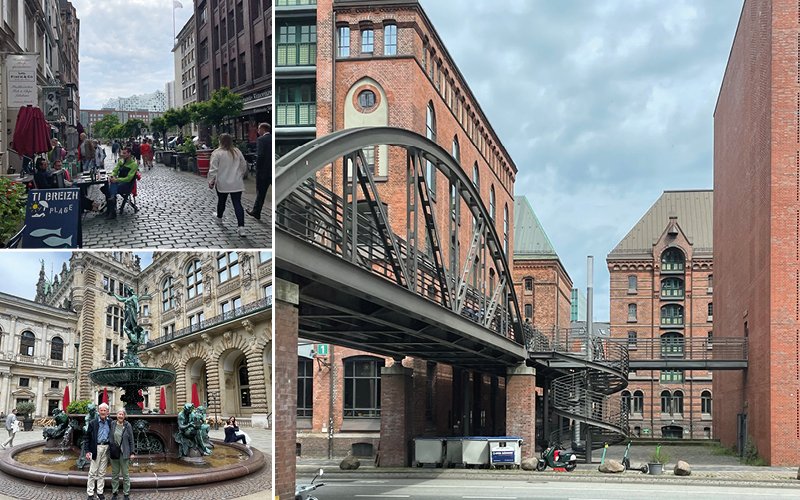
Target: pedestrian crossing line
384, 496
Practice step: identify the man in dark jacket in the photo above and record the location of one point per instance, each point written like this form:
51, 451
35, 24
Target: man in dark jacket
263, 169
95, 447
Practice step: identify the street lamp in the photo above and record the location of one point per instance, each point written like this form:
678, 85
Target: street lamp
214, 398
75, 388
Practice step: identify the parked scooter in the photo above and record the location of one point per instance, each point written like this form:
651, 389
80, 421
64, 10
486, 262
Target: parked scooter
627, 463
557, 457
303, 491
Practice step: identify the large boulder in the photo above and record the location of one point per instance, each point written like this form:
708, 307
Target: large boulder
611, 466
529, 463
682, 469
350, 463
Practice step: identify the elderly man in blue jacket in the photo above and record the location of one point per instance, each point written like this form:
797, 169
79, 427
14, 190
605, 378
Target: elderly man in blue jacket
95, 447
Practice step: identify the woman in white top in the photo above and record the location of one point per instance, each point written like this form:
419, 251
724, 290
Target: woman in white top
99, 155
226, 173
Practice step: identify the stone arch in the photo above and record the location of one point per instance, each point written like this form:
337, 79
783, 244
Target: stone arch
229, 362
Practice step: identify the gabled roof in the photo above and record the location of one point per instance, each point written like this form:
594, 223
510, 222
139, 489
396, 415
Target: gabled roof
530, 240
695, 211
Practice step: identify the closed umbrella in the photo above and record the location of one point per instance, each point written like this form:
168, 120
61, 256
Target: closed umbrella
141, 403
65, 402
32, 132
105, 395
162, 405
195, 397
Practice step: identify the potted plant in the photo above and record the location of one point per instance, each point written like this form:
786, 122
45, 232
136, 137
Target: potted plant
26, 408
657, 461
12, 208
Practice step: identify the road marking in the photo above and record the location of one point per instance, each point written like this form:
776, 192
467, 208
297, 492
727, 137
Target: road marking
383, 496
485, 497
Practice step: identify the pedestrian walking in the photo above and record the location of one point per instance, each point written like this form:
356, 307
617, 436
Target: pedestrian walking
263, 169
147, 155
115, 150
99, 155
95, 447
12, 427
121, 453
86, 153
226, 174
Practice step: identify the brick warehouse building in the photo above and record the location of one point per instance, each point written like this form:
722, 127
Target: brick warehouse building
386, 66
661, 293
757, 230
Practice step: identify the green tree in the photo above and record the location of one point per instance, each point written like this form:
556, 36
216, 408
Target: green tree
26, 408
118, 132
159, 124
104, 125
177, 117
223, 104
134, 127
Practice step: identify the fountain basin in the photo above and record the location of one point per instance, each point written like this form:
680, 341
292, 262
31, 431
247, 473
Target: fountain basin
249, 461
141, 376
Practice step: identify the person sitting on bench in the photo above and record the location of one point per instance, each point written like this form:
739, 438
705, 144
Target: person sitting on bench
121, 180
230, 432
44, 180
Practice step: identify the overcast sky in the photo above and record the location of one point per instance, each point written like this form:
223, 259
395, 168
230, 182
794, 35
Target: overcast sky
602, 104
126, 47
19, 269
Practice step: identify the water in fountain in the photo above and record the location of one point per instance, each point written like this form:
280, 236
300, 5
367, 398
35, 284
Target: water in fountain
64, 445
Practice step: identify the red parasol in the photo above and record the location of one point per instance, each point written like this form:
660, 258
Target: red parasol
32, 132
65, 402
162, 405
195, 397
105, 395
141, 403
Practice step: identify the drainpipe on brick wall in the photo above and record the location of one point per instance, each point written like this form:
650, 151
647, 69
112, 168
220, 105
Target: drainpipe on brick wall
331, 372
332, 126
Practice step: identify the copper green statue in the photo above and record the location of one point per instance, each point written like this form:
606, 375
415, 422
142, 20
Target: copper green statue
62, 424
131, 326
190, 432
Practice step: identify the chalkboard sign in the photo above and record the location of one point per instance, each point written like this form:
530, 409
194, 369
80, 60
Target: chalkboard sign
53, 219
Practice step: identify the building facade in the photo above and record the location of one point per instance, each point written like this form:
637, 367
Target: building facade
185, 55
169, 92
91, 116
157, 101
234, 41
37, 357
757, 231
206, 315
661, 293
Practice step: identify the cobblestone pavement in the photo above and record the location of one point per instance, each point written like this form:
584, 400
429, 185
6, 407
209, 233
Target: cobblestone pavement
707, 468
253, 487
176, 210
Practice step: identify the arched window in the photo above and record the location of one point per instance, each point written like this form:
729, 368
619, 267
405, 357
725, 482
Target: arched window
57, 349
626, 402
430, 133
677, 403
505, 231
244, 384
638, 402
167, 294
666, 402
362, 387
672, 315
492, 204
705, 402
632, 312
26, 343
456, 150
672, 288
390, 40
194, 280
672, 260
672, 345
476, 176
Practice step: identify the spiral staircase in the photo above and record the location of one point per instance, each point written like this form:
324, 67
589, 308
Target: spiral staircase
580, 375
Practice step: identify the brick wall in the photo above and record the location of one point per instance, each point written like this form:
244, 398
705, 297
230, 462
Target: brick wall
285, 396
550, 295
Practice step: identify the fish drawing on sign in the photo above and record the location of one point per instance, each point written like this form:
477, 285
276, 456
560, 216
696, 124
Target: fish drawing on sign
41, 233
54, 241
39, 207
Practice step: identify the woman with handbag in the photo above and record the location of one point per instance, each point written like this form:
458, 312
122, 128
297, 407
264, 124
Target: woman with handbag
120, 451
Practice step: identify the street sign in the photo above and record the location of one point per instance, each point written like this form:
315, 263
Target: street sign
53, 219
322, 349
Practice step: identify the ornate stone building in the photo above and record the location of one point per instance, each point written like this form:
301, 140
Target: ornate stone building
37, 360
207, 316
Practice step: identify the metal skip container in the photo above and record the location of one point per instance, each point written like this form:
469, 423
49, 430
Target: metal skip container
475, 451
428, 451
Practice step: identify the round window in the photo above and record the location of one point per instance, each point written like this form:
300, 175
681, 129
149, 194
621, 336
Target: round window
366, 99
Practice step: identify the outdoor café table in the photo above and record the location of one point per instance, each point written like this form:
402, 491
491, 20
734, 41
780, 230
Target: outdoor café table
84, 181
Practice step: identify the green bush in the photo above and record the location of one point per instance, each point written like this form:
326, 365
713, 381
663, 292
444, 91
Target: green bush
26, 408
79, 407
751, 456
188, 147
12, 207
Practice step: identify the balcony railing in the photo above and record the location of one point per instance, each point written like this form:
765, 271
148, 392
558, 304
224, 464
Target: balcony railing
672, 293
727, 349
296, 54
292, 3
303, 114
672, 321
239, 312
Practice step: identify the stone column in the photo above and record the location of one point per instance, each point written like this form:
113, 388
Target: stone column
40, 397
521, 407
287, 298
396, 415
5, 393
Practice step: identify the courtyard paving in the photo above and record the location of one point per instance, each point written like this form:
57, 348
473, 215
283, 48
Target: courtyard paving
176, 210
256, 486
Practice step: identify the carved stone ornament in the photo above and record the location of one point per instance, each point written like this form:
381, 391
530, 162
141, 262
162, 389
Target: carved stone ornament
207, 282
175, 348
227, 337
247, 272
206, 338
248, 325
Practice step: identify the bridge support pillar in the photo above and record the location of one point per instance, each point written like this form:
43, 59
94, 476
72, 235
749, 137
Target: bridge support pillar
286, 322
521, 407
397, 405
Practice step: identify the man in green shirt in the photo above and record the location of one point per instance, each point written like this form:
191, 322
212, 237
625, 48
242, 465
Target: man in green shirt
120, 181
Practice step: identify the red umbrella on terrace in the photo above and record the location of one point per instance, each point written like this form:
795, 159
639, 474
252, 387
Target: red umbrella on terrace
105, 395
162, 405
65, 402
141, 403
195, 397
32, 132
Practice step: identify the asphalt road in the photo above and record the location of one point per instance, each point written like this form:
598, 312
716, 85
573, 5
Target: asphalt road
444, 489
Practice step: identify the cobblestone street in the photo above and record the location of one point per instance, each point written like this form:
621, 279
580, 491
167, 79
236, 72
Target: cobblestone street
176, 210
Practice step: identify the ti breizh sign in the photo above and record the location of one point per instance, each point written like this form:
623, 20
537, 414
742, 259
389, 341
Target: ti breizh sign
21, 75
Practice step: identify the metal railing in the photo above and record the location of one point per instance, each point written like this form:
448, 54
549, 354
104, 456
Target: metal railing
296, 114
718, 349
296, 54
239, 312
291, 3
